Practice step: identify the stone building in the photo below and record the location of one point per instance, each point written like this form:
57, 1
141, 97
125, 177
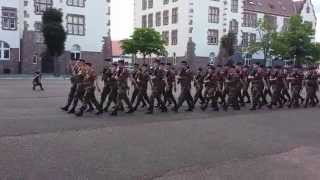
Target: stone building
206, 21
21, 42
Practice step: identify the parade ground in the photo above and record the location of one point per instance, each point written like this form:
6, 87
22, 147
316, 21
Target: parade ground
38, 141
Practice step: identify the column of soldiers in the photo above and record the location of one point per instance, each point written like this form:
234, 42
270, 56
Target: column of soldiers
218, 87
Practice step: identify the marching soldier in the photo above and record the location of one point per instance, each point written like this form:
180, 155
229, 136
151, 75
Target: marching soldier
157, 80
296, 81
122, 76
256, 79
211, 86
134, 83
277, 85
142, 79
90, 84
170, 85
113, 87
106, 77
75, 78
185, 79
198, 84
231, 83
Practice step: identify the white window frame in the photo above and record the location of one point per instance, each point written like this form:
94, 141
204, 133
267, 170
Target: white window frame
3, 49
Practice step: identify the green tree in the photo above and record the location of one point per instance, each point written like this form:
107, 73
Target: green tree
144, 41
54, 35
227, 48
265, 31
296, 42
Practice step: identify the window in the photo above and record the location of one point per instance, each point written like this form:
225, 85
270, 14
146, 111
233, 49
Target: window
272, 20
233, 26
150, 4
165, 17
4, 51
213, 15
77, 3
38, 36
285, 26
144, 4
165, 37
245, 39
9, 18
174, 37
150, 20
213, 37
42, 5
144, 21
165, 2
253, 38
250, 20
76, 25
174, 15
35, 59
158, 19
75, 52
234, 6
308, 9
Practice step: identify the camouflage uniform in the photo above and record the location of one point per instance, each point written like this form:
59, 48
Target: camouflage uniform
198, 84
185, 79
277, 85
296, 80
142, 86
122, 76
89, 92
211, 87
169, 87
231, 83
256, 79
157, 78
106, 76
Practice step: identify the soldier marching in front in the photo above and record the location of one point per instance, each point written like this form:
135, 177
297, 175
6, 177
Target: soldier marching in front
142, 79
156, 81
170, 85
185, 79
90, 85
198, 84
122, 76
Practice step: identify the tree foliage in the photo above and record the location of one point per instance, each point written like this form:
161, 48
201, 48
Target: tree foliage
296, 41
227, 48
144, 41
53, 32
266, 32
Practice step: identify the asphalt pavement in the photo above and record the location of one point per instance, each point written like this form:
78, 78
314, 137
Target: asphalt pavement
38, 141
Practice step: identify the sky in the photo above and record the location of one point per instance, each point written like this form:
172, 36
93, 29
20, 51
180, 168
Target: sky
122, 18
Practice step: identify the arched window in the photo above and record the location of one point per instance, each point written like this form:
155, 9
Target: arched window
233, 27
4, 51
75, 52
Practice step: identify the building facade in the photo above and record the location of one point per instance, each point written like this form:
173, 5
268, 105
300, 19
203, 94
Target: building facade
206, 21
20, 29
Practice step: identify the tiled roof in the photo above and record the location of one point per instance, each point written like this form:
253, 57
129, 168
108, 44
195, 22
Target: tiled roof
275, 7
299, 5
116, 48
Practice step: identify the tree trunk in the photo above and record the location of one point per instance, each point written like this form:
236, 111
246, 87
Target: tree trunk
56, 66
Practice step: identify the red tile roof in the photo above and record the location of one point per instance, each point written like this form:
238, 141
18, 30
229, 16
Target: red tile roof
116, 48
274, 7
